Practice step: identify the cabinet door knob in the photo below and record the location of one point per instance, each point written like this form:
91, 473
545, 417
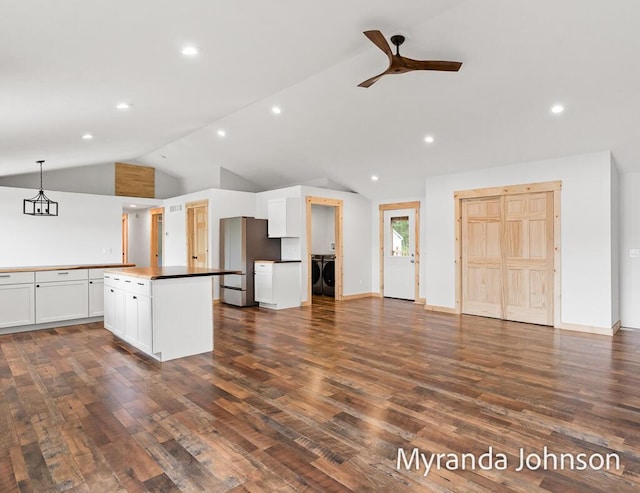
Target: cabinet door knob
90, 282
111, 290
37, 285
135, 297
194, 257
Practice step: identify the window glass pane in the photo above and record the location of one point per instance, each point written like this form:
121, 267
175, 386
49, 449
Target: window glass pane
400, 236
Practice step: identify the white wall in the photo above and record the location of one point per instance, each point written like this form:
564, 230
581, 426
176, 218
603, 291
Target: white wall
140, 238
323, 229
629, 239
586, 229
87, 230
615, 243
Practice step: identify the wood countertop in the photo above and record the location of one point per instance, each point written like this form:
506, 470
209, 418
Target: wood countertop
42, 268
171, 272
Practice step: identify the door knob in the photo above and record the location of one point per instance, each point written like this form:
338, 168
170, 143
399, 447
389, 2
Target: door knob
194, 257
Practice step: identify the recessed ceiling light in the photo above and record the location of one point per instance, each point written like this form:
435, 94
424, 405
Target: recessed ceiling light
276, 110
190, 51
87, 137
374, 178
556, 109
134, 205
429, 139
123, 106
221, 133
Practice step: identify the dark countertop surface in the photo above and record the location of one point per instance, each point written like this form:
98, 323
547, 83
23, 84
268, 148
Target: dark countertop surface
170, 272
277, 261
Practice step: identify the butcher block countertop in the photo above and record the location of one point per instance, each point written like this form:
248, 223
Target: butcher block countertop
41, 268
170, 272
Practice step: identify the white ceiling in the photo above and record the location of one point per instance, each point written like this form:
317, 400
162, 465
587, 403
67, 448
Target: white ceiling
65, 64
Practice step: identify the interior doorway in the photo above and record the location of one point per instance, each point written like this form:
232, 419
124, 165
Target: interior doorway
400, 250
197, 233
125, 238
329, 272
156, 239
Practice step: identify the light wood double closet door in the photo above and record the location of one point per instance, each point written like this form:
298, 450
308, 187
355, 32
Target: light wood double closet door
508, 256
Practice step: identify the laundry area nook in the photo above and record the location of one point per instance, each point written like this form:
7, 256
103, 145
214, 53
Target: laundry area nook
323, 251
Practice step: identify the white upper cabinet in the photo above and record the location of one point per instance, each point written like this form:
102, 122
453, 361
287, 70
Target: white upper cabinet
284, 217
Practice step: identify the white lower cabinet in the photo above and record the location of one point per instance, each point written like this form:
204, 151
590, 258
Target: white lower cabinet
63, 300
128, 314
277, 284
96, 298
17, 305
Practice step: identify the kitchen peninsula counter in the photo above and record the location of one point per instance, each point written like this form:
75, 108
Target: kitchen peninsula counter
165, 312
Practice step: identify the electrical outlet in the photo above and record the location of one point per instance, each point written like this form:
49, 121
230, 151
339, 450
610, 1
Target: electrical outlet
634, 253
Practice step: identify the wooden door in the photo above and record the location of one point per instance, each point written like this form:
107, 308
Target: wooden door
482, 257
125, 238
528, 258
157, 233
197, 234
508, 257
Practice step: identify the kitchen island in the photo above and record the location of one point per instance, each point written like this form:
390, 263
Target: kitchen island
165, 312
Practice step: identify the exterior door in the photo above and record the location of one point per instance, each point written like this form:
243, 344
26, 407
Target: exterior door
399, 254
197, 234
507, 257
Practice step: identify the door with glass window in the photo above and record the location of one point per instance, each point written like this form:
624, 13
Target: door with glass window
399, 254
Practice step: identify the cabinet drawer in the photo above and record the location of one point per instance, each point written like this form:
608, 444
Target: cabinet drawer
113, 280
17, 278
62, 275
263, 267
96, 273
141, 287
136, 285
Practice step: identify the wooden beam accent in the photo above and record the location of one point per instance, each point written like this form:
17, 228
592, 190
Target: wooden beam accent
132, 180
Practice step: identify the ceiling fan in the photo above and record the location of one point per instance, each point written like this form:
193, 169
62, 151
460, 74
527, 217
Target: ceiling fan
399, 64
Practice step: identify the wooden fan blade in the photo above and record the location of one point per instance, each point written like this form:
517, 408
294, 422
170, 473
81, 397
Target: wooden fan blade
372, 80
378, 39
431, 65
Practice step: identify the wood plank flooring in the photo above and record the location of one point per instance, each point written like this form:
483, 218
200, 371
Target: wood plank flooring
319, 399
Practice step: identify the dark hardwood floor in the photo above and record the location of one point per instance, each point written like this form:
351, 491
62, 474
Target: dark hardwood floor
321, 399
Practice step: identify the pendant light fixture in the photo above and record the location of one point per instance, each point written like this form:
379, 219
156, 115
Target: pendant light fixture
40, 205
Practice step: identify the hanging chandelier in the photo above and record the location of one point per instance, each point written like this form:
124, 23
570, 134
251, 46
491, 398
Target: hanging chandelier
40, 205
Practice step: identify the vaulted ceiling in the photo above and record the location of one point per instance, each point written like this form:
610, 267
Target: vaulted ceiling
65, 65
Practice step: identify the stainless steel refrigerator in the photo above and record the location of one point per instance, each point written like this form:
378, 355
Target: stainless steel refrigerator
243, 240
